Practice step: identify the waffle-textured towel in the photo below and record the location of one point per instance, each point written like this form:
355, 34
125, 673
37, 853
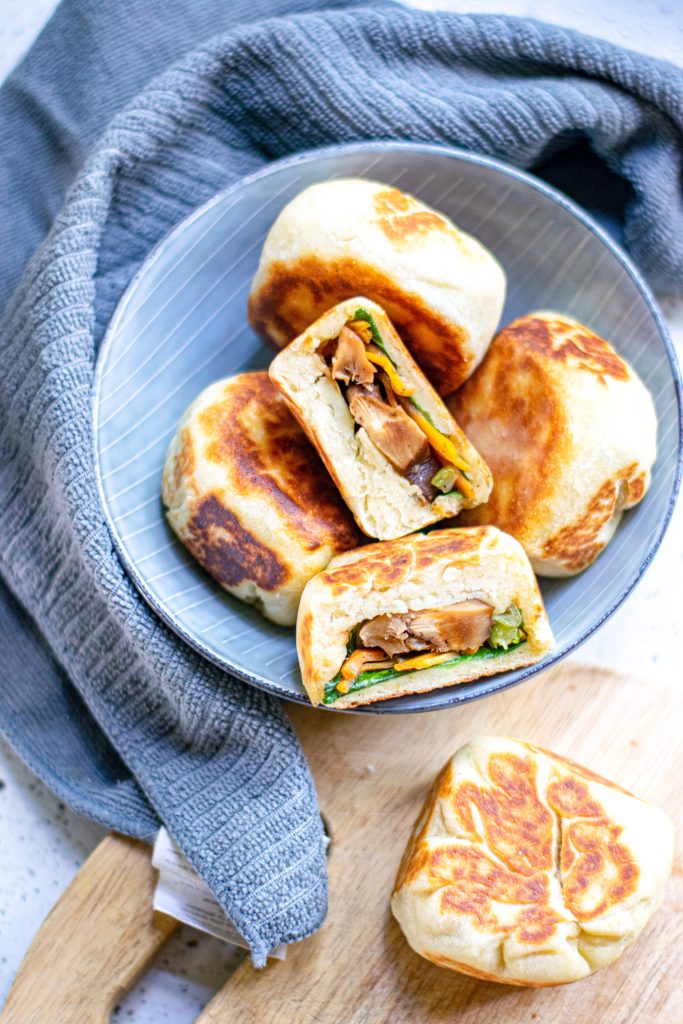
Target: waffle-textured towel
103, 702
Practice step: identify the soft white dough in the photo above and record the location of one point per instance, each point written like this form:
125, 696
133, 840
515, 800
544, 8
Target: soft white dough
547, 918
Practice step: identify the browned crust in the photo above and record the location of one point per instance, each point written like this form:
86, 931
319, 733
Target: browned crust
580, 347
390, 562
298, 292
403, 222
513, 412
576, 546
183, 465
516, 420
304, 643
413, 860
516, 826
588, 846
578, 769
227, 550
253, 433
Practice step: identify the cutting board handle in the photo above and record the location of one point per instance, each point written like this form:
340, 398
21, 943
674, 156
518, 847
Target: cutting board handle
94, 943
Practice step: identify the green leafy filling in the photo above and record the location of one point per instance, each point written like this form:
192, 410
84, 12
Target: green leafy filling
362, 314
365, 679
352, 642
507, 632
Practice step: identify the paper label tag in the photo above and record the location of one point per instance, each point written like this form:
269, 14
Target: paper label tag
183, 895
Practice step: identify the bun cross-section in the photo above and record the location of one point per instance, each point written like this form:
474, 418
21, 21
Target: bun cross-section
418, 613
397, 455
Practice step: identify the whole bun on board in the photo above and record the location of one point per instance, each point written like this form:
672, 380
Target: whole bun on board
442, 289
569, 432
527, 869
248, 496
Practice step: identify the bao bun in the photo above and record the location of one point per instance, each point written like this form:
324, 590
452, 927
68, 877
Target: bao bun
385, 504
569, 432
441, 287
525, 868
422, 571
248, 496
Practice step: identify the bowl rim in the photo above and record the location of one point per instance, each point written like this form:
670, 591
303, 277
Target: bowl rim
452, 696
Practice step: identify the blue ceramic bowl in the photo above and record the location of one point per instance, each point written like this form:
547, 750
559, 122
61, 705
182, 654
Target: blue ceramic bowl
181, 325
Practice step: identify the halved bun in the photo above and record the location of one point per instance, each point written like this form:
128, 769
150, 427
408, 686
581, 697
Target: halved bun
384, 502
436, 569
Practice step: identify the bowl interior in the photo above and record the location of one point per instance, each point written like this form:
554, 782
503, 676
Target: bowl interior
182, 325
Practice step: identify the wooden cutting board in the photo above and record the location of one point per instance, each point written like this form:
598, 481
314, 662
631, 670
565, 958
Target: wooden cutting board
372, 774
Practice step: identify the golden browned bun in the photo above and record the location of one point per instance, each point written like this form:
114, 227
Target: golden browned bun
569, 432
248, 496
527, 869
441, 287
384, 502
425, 570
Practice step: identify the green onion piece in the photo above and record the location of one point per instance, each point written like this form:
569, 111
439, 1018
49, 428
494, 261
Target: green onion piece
444, 479
422, 412
352, 641
506, 628
362, 314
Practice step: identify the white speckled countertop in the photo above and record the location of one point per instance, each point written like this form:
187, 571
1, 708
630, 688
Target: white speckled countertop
42, 843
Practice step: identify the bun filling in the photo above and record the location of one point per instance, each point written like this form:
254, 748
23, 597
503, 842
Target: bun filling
383, 404
385, 646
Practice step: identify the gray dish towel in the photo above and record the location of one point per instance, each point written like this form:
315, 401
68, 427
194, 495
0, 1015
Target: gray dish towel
105, 704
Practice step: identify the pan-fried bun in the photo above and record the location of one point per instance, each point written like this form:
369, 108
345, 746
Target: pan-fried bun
432, 570
384, 502
246, 493
527, 869
443, 290
569, 431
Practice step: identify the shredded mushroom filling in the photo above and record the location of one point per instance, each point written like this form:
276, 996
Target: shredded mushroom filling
387, 645
381, 403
